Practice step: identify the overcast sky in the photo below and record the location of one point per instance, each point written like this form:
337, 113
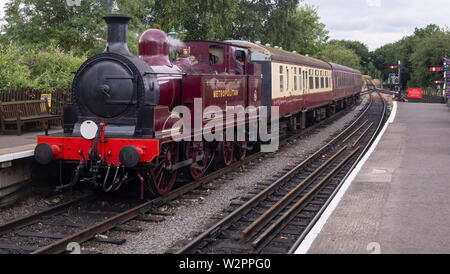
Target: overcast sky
2, 8
378, 22
373, 22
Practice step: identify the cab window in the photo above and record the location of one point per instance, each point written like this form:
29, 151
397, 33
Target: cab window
240, 62
216, 55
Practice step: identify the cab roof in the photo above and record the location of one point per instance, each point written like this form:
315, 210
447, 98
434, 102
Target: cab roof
283, 55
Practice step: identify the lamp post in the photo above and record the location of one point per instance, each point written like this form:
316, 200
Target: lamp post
399, 80
446, 76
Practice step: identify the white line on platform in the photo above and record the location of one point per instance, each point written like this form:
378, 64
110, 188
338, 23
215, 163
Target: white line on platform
17, 155
312, 235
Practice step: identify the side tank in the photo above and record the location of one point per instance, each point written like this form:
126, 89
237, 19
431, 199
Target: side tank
154, 50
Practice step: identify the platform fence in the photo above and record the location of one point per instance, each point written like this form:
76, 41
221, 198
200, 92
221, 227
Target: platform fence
429, 95
59, 98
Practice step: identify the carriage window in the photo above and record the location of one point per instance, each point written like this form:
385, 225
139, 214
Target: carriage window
300, 80
322, 82
281, 79
327, 83
305, 78
311, 82
287, 78
317, 83
295, 79
216, 55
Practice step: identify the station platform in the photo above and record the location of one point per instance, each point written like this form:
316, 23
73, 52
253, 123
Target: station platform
399, 201
13, 147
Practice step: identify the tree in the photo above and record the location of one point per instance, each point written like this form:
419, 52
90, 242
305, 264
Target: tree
81, 28
336, 53
210, 19
417, 52
310, 33
283, 23
40, 22
251, 20
429, 53
359, 49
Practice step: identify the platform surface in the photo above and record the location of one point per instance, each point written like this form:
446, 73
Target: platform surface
20, 145
400, 200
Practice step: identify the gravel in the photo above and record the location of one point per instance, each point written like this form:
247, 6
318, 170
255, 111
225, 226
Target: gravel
186, 218
35, 203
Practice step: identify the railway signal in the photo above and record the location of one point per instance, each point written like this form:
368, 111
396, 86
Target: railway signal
399, 67
436, 69
446, 89
444, 68
399, 80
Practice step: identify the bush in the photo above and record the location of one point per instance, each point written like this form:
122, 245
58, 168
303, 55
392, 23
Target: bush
51, 69
45, 70
14, 73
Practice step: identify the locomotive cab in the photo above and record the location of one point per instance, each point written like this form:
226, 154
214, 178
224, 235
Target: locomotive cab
218, 57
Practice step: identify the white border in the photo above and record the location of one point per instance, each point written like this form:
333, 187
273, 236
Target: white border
312, 235
17, 155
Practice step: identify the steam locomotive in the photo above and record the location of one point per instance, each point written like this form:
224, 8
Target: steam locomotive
131, 117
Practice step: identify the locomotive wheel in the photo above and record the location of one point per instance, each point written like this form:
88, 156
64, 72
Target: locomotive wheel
163, 177
241, 150
198, 167
227, 150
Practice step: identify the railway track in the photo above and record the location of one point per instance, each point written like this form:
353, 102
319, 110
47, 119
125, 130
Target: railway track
277, 219
85, 219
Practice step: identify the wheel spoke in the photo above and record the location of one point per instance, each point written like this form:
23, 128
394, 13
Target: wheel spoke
163, 179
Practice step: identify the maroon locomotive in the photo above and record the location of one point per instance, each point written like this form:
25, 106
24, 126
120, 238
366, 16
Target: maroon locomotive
132, 117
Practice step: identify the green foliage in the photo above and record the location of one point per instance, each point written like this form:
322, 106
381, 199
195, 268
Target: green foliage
282, 23
337, 53
305, 33
429, 53
52, 69
360, 49
41, 27
47, 70
425, 48
13, 73
36, 22
81, 29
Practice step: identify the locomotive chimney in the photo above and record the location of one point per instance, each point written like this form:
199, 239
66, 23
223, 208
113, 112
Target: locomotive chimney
117, 37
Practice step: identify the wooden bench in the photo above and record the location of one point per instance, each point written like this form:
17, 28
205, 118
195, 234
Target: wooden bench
22, 112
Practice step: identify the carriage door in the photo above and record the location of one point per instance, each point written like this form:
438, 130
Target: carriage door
305, 86
241, 61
